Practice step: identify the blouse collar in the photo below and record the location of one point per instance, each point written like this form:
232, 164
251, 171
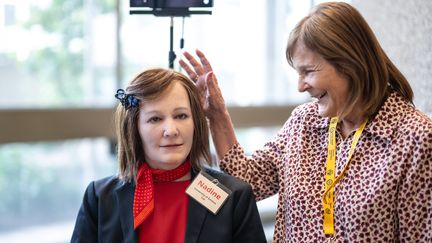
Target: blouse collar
382, 125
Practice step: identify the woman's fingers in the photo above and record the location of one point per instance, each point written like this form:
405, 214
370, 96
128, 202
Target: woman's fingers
197, 66
201, 72
205, 63
191, 73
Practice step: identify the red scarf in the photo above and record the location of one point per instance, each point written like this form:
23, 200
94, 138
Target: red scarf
143, 204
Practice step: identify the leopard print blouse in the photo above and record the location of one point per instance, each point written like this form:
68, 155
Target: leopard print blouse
385, 195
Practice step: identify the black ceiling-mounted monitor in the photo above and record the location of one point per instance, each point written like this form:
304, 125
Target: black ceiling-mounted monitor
175, 8
171, 8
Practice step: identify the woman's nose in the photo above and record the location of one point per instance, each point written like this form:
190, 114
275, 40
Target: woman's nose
170, 128
302, 86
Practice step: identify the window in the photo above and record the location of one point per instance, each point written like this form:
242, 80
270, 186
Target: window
244, 40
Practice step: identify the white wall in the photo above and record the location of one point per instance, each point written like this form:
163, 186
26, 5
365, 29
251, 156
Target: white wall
404, 29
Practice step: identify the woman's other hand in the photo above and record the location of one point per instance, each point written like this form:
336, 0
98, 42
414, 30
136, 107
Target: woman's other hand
221, 126
202, 74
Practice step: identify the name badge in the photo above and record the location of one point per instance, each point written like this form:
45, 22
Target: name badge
207, 191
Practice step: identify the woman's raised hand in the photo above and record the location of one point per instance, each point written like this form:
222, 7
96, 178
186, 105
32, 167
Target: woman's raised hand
202, 74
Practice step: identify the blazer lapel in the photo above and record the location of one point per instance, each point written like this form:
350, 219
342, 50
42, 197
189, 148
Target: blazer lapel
125, 197
195, 218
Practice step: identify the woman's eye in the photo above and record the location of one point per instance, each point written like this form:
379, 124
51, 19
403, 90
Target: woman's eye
154, 119
182, 116
306, 72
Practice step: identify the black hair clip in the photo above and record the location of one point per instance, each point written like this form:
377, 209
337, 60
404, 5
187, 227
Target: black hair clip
127, 100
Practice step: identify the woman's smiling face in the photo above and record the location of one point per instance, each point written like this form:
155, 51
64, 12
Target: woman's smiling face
321, 80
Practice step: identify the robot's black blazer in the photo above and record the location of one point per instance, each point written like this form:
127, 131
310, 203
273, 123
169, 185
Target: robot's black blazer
106, 214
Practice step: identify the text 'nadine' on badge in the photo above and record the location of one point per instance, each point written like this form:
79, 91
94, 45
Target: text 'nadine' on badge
208, 192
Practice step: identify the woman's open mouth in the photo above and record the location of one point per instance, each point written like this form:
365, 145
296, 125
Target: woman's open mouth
319, 96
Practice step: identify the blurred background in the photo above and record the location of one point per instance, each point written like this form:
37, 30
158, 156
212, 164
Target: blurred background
62, 61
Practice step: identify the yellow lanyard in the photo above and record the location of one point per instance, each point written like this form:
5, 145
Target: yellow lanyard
330, 182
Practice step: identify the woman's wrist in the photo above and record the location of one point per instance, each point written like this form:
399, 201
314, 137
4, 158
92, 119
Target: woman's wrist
222, 131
